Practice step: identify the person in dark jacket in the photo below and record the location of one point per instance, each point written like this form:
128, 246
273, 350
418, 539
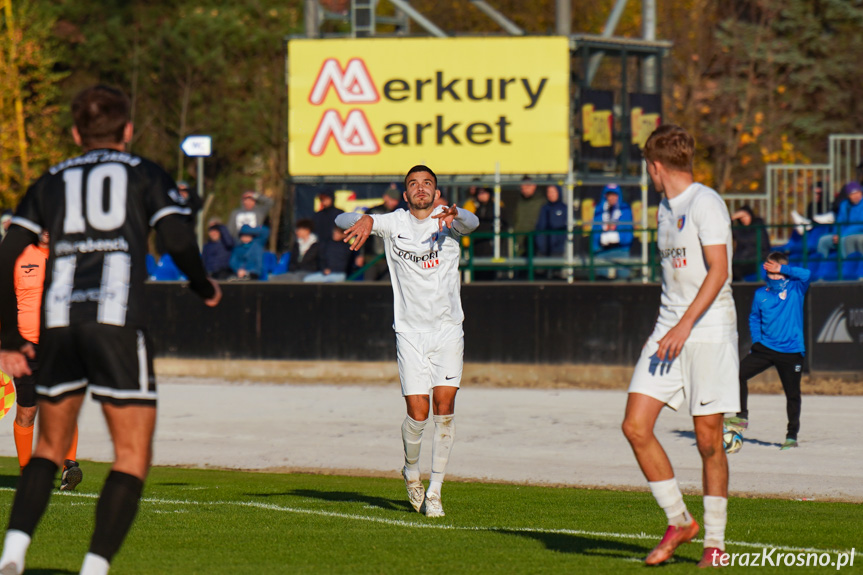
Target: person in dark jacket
336, 260
305, 254
217, 252
751, 243
325, 218
247, 259
552, 217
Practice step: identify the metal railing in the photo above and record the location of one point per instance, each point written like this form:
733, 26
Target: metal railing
590, 265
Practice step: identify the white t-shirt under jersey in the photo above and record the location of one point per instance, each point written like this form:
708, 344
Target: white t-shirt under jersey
697, 217
423, 262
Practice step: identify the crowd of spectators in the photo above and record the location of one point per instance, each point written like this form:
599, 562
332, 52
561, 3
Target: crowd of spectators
237, 250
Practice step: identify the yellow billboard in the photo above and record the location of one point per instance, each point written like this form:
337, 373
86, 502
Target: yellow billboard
362, 107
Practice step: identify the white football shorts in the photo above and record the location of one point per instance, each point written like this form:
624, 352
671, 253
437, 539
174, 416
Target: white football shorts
429, 359
705, 373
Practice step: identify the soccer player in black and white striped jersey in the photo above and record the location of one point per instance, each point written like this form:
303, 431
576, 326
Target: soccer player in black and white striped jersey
98, 208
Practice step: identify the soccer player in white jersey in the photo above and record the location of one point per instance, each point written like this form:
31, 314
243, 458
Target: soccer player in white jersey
692, 352
422, 249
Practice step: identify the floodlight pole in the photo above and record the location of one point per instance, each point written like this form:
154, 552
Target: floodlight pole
570, 220
645, 234
563, 17
496, 253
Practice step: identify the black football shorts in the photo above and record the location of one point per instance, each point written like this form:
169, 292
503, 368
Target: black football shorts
25, 386
114, 363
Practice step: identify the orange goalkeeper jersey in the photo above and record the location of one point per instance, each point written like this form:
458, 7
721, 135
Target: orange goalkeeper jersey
29, 282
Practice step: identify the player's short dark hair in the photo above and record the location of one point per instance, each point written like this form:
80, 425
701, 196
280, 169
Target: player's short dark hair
778, 257
420, 168
101, 114
672, 146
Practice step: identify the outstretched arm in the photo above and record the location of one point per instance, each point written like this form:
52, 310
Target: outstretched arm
461, 220
358, 228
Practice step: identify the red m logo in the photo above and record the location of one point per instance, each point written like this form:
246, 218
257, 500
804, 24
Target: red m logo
353, 84
352, 136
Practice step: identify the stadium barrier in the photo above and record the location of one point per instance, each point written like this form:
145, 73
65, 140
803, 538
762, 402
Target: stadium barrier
628, 264
527, 323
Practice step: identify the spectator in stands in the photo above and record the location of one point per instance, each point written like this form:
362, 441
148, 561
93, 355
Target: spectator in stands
471, 201
751, 244
247, 258
336, 259
527, 209
815, 206
252, 212
217, 252
552, 217
324, 219
848, 230
305, 254
612, 231
375, 245
5, 222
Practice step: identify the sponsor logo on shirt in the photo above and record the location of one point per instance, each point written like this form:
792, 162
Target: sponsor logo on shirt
426, 261
90, 245
677, 255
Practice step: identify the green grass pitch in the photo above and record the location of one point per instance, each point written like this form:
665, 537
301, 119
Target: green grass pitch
209, 521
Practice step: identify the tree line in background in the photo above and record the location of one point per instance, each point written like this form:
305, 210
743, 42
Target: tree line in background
756, 81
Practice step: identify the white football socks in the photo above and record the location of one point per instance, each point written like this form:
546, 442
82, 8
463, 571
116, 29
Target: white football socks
715, 518
94, 565
667, 494
444, 435
14, 550
412, 436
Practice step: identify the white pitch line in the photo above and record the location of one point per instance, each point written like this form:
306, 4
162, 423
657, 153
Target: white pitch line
412, 524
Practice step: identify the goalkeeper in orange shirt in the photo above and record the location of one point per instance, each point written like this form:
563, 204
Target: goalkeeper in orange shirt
29, 282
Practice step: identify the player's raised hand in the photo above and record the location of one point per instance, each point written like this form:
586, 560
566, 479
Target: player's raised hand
359, 232
446, 216
772, 267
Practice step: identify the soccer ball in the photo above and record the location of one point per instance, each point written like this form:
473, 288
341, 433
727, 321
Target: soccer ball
732, 440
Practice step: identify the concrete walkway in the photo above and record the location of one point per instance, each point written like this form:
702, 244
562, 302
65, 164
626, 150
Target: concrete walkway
537, 436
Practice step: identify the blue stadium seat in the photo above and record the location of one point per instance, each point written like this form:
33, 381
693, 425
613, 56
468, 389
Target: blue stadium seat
269, 266
827, 270
283, 264
851, 266
794, 247
151, 266
814, 235
167, 270
812, 264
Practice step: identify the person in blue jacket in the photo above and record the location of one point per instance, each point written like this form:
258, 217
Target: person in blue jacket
612, 229
776, 327
247, 258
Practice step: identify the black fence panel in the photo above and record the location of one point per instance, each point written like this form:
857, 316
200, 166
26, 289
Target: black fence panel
541, 323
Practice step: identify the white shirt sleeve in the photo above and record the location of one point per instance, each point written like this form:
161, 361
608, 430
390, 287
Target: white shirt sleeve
710, 215
465, 222
385, 224
347, 219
